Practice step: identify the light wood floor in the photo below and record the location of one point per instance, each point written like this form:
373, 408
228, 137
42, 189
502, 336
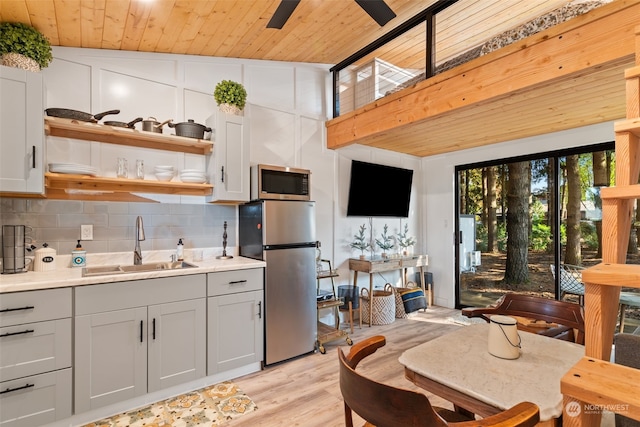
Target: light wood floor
305, 391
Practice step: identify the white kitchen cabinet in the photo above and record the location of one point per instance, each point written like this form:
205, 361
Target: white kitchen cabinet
21, 131
235, 319
35, 357
229, 163
132, 338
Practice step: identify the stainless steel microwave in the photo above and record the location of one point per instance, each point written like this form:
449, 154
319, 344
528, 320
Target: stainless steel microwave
279, 183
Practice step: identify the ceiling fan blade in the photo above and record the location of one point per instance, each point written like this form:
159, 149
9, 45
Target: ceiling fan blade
378, 10
282, 13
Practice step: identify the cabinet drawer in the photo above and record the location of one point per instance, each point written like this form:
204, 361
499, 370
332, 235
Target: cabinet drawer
231, 282
34, 306
34, 348
36, 400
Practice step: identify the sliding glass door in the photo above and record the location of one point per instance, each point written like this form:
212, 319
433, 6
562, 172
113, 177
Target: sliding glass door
521, 219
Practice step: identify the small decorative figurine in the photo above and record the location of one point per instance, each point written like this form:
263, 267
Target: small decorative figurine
224, 244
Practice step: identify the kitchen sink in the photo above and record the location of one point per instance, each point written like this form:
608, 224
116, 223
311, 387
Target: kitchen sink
121, 269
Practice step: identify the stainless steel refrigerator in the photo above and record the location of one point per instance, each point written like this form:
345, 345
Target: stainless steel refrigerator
283, 234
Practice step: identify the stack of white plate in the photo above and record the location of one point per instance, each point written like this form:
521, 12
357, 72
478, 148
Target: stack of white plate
164, 173
193, 175
73, 168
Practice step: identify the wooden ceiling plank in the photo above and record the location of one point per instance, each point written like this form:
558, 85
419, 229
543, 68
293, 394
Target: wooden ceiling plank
156, 23
137, 20
14, 11
210, 35
231, 31
116, 13
69, 26
43, 17
176, 23
199, 12
92, 23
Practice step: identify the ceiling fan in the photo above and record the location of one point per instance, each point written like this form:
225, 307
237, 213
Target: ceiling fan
377, 9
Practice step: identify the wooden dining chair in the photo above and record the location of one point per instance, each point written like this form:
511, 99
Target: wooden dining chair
382, 405
568, 316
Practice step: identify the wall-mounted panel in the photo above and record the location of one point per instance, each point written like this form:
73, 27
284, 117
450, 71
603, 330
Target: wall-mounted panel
273, 136
204, 76
135, 96
310, 95
271, 85
198, 106
68, 85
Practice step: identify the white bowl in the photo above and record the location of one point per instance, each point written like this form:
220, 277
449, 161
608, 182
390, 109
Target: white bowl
164, 176
163, 168
196, 180
193, 175
192, 171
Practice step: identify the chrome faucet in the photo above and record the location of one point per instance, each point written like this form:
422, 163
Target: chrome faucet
137, 252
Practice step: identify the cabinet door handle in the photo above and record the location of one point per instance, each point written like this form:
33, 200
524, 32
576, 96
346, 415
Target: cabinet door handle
222, 174
9, 390
141, 336
154, 328
259, 309
235, 282
8, 334
33, 156
6, 310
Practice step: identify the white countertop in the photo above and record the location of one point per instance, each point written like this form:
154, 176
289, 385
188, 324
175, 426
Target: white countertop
65, 276
461, 360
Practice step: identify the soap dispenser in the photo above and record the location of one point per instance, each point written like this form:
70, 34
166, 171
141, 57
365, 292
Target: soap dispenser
78, 256
180, 250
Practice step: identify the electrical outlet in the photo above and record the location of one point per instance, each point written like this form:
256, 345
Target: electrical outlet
86, 232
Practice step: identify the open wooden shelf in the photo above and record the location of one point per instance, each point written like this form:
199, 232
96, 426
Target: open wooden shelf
67, 128
91, 184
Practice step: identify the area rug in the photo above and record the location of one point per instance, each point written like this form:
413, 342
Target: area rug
210, 406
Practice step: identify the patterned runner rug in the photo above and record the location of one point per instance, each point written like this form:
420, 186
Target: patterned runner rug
210, 406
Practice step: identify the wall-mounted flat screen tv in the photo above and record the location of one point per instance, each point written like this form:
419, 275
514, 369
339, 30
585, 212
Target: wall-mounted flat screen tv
379, 190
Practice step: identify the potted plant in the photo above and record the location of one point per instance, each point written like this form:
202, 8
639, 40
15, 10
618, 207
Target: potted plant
359, 241
22, 46
230, 96
405, 241
384, 242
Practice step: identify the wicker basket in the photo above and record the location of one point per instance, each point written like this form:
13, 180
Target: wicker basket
17, 60
400, 313
384, 307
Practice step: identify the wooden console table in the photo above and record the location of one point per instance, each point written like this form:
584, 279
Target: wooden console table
379, 264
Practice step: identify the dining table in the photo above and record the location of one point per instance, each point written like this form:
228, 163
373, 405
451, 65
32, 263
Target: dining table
458, 367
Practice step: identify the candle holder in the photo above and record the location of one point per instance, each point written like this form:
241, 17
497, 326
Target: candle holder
224, 244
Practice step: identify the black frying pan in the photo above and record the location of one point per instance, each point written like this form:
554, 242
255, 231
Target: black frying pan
130, 125
66, 113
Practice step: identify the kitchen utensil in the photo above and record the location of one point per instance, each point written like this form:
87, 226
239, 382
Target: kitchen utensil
130, 125
190, 129
153, 125
45, 259
13, 247
66, 113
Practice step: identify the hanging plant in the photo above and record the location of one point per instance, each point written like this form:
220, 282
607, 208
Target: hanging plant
21, 39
